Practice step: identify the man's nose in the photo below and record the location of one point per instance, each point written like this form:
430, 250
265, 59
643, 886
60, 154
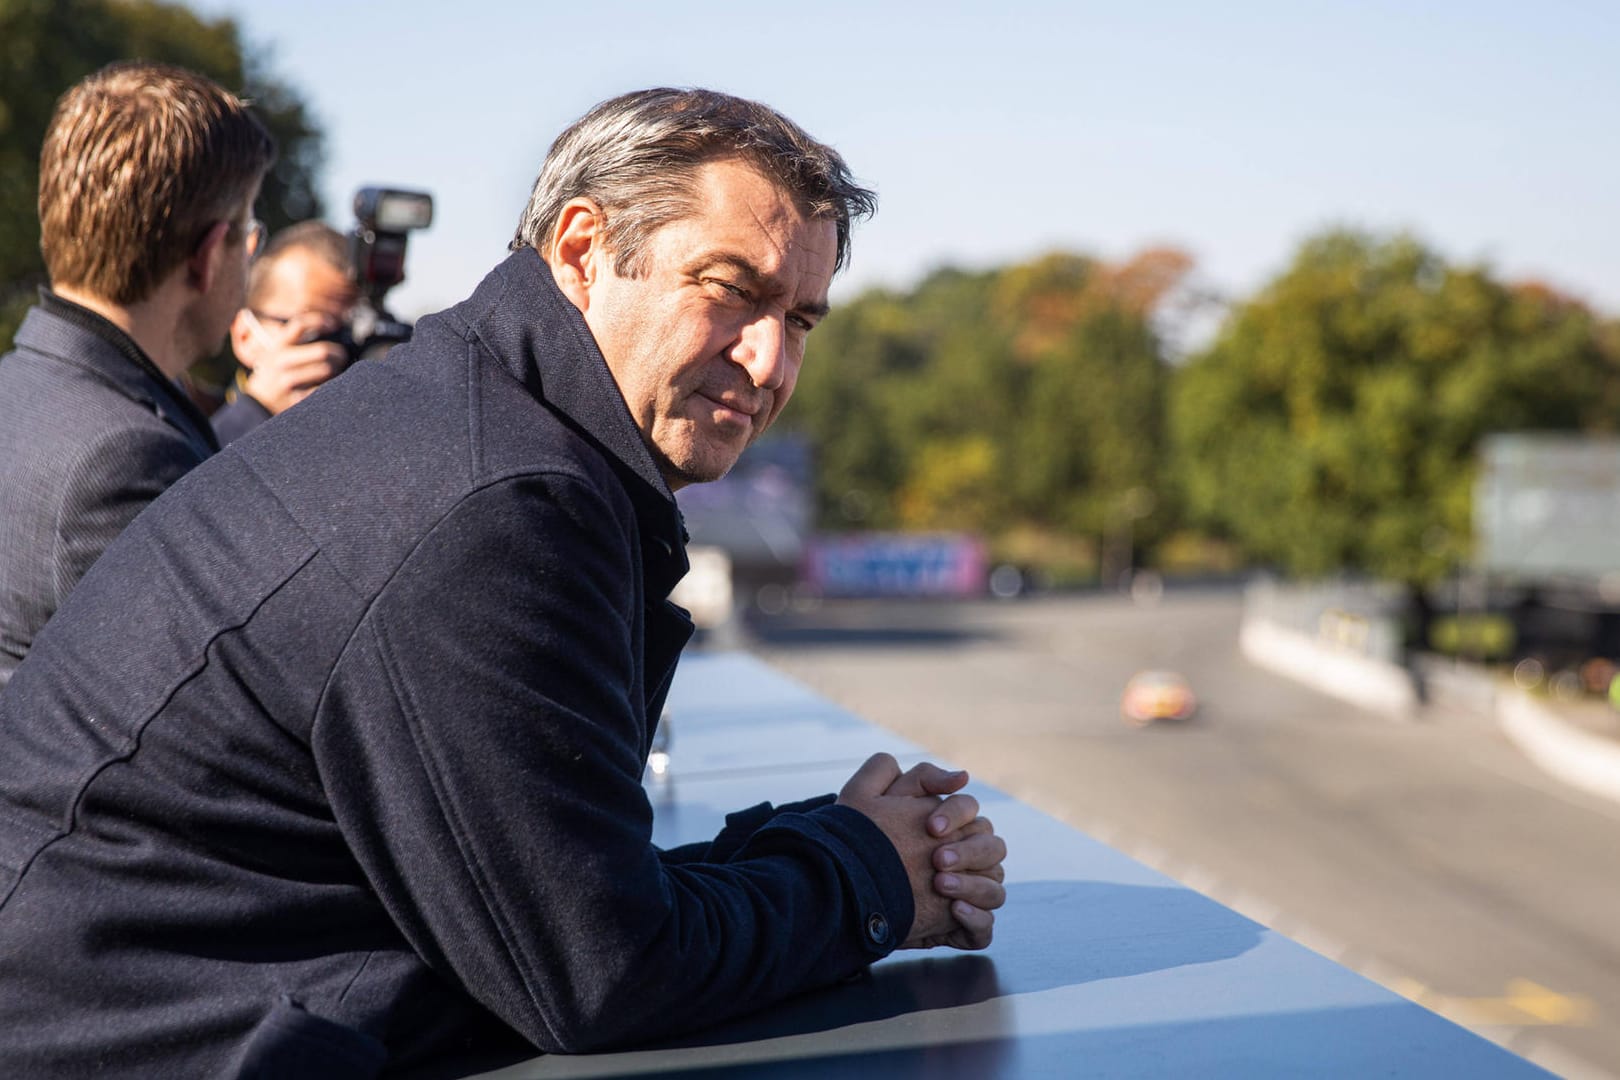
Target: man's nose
762, 351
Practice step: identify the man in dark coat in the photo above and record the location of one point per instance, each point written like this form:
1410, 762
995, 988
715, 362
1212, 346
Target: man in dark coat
332, 765
146, 186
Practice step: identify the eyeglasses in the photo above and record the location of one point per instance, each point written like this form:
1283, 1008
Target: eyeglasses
256, 232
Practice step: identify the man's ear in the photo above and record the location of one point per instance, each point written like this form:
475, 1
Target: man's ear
243, 338
578, 250
205, 262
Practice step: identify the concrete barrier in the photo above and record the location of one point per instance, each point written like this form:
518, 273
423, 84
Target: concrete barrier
1350, 676
1580, 758
1562, 749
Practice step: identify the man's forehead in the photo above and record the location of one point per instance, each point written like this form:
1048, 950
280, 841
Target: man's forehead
738, 192
798, 253
302, 276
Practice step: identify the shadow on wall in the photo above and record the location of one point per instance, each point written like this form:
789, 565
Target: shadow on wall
1032, 1007
1051, 934
1349, 1043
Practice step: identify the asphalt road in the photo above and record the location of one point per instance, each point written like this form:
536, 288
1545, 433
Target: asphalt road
1429, 855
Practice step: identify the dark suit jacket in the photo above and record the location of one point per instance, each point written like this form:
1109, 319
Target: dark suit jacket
90, 432
237, 417
337, 753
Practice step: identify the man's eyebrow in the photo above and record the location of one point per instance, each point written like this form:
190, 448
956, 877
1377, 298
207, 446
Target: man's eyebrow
757, 279
736, 263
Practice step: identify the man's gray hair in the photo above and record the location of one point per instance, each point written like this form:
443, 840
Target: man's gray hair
637, 156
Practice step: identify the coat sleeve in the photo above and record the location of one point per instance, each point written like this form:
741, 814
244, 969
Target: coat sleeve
480, 741
740, 825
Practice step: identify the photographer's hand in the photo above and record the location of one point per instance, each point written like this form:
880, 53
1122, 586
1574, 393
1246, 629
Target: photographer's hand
284, 365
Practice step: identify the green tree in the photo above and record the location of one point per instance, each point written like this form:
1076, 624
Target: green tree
853, 361
48, 45
1333, 423
1028, 398
1090, 452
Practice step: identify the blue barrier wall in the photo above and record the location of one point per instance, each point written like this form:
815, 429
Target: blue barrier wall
1100, 966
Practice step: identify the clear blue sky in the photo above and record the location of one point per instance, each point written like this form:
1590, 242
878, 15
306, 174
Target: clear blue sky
994, 132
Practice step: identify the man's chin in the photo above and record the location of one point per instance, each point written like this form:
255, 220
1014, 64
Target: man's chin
695, 469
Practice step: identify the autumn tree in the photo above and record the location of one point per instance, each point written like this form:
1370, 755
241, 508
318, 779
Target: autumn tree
1089, 456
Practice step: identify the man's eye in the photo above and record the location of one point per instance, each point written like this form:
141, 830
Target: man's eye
735, 290
802, 323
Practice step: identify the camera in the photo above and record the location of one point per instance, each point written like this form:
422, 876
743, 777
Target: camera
384, 220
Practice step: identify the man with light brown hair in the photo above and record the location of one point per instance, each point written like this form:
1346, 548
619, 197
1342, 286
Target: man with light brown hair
287, 338
147, 181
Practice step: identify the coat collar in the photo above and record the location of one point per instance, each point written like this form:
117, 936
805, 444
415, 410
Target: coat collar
536, 332
75, 335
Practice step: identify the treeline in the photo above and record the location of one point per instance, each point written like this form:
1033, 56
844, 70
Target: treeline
1330, 424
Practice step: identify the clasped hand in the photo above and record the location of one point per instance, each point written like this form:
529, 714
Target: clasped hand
951, 854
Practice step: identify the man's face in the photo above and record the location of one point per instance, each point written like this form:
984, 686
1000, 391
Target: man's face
706, 345
299, 287
210, 319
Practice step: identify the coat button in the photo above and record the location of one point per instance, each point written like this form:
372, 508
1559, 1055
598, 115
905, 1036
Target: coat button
877, 928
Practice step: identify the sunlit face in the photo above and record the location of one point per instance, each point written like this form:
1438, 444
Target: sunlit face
208, 322
298, 285
706, 345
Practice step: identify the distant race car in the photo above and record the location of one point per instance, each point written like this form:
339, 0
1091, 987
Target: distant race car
1156, 695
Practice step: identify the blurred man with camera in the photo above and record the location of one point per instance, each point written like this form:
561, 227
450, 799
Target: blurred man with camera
333, 764
288, 338
146, 187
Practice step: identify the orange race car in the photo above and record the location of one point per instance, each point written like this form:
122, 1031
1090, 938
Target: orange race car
1156, 695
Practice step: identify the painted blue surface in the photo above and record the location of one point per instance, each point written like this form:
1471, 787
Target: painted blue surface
1100, 966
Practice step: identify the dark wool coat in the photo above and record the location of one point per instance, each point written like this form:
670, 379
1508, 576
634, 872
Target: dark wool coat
237, 417
90, 432
332, 764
